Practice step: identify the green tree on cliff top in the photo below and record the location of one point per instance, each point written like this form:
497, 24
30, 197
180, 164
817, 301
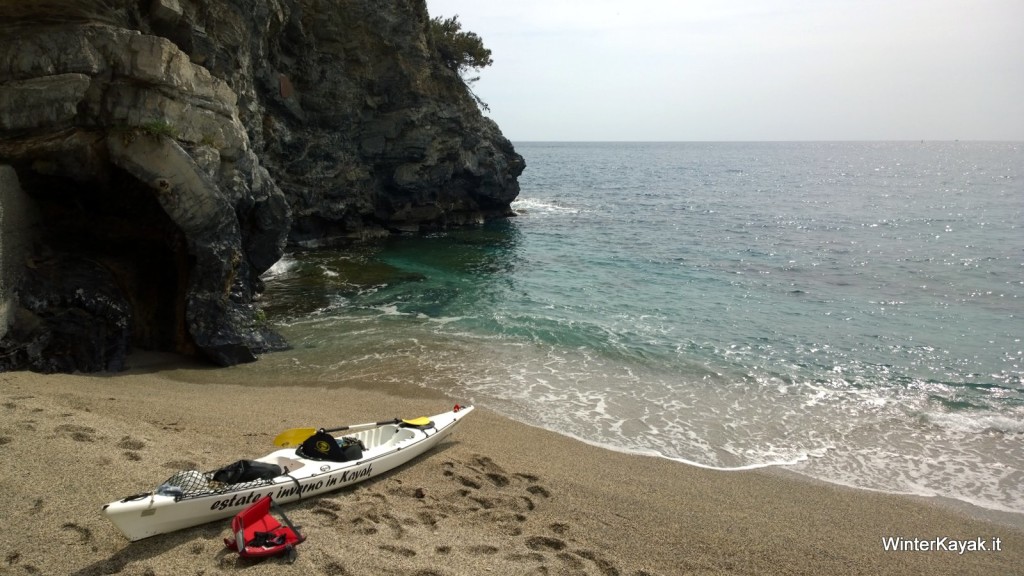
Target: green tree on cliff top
460, 51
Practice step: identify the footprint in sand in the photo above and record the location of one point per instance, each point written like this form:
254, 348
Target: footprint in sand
485, 489
431, 518
84, 534
129, 443
131, 446
602, 564
539, 491
398, 550
541, 543
327, 508
335, 569
483, 550
559, 528
175, 426
14, 559
498, 480
486, 471
575, 560
477, 491
76, 432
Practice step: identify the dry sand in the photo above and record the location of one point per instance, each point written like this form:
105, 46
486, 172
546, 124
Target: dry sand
498, 497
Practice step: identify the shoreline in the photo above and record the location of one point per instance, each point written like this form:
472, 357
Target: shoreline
1012, 520
499, 496
976, 511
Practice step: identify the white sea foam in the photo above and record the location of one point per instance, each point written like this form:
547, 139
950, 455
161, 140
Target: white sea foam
285, 264
531, 205
444, 320
977, 423
390, 310
829, 438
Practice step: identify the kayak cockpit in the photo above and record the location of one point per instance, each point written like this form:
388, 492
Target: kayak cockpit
285, 459
385, 438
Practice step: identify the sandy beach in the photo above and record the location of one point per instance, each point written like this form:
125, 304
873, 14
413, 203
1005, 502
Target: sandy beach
499, 497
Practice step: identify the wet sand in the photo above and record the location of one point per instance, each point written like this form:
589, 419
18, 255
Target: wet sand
498, 497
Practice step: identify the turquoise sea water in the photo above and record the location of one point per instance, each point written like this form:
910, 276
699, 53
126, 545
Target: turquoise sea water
852, 311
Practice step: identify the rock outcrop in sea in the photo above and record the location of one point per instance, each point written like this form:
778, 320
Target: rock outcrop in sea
156, 157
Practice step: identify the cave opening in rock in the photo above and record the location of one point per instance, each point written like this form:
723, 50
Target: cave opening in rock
118, 223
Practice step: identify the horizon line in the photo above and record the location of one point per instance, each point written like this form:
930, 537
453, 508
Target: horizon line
836, 141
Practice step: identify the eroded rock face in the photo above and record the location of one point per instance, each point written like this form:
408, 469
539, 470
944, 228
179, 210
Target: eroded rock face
151, 199
355, 117
171, 148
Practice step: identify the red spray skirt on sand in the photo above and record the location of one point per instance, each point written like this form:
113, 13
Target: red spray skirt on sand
259, 535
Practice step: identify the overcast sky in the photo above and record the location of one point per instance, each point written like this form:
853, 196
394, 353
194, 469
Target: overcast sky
695, 70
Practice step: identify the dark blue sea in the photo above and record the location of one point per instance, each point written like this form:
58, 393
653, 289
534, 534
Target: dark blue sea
850, 311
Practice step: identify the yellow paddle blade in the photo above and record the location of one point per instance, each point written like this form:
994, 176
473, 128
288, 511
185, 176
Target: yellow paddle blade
293, 437
421, 421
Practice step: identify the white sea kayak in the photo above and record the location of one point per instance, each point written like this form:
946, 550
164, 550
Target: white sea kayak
191, 498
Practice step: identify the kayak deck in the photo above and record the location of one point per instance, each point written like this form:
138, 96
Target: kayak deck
377, 441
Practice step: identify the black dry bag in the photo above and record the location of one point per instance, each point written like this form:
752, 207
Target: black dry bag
247, 471
323, 446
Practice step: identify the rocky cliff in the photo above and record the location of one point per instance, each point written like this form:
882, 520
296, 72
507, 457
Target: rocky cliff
170, 150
